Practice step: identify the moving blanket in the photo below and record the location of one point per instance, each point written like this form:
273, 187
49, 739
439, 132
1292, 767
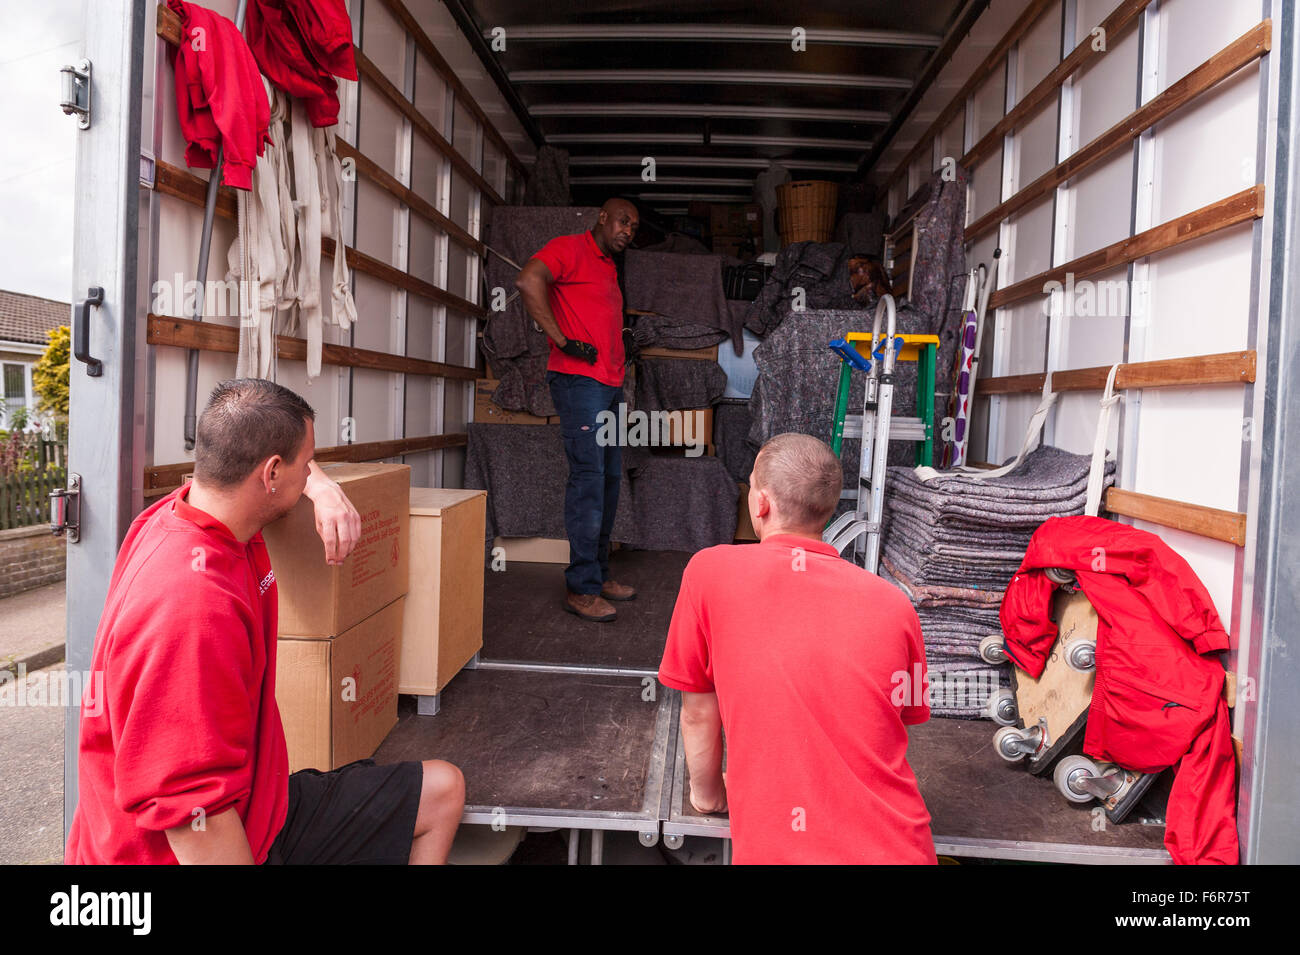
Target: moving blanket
678, 384
665, 502
820, 269
683, 286
660, 331
516, 350
731, 423
682, 503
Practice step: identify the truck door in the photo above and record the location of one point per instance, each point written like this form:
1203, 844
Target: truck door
103, 449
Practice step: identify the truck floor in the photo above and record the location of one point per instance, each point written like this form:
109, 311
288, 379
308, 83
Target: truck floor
524, 618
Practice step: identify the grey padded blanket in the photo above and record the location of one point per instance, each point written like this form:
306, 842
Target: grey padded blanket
731, 423
820, 269
678, 384
515, 349
661, 331
683, 286
665, 502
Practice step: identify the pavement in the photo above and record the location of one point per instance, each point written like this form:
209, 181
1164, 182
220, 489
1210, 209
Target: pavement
32, 632
33, 627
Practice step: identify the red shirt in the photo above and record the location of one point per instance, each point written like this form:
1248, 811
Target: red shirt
220, 99
184, 716
812, 659
587, 304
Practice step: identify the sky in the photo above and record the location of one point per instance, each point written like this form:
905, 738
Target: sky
38, 145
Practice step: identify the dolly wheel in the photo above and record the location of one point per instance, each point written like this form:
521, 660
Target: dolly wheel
1004, 743
993, 649
1059, 575
1081, 654
1001, 707
1070, 772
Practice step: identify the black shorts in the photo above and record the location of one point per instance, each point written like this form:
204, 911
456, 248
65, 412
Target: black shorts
358, 814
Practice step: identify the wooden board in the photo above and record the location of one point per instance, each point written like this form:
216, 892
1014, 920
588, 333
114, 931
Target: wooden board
1060, 695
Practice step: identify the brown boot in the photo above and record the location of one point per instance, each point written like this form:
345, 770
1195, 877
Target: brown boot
589, 607
613, 590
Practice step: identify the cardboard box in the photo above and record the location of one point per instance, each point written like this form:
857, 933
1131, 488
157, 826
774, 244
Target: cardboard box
703, 354
319, 601
698, 424
744, 526
338, 697
534, 550
443, 627
735, 219
485, 412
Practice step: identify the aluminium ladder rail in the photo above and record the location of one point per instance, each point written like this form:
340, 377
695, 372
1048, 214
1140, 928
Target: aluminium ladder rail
865, 518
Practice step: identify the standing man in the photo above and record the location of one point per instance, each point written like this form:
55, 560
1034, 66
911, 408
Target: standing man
815, 668
186, 759
570, 288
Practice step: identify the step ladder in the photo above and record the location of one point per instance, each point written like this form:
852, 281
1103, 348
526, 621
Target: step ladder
877, 426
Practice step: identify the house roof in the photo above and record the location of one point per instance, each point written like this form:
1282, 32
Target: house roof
26, 318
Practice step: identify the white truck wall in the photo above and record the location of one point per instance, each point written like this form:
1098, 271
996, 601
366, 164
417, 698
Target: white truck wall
357, 405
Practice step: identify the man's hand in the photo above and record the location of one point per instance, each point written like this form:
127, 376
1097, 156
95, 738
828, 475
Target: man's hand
337, 521
583, 351
715, 807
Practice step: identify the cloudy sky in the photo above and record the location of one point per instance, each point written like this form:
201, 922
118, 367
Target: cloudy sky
37, 146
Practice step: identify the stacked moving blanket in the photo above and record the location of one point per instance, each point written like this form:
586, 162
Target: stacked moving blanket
953, 544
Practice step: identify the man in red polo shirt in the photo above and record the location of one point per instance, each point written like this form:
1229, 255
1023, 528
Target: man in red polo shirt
570, 288
814, 667
185, 758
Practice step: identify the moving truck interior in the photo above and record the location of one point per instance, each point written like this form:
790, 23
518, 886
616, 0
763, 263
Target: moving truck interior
1129, 161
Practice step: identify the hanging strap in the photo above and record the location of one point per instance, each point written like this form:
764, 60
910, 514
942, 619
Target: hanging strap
1036, 422
307, 201
1097, 473
330, 172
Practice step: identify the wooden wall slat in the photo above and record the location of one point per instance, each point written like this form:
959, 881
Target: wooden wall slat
463, 95
161, 478
370, 72
974, 81
1217, 68
1245, 205
381, 178
173, 181
1114, 26
209, 336
1236, 367
1229, 526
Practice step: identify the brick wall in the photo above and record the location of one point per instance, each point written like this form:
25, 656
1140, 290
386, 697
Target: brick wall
30, 557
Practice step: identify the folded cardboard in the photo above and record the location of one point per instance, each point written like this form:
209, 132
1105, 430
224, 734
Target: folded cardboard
443, 628
338, 697
488, 412
702, 354
320, 601
533, 550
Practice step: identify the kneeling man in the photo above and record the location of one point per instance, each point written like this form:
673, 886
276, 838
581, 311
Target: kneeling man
814, 667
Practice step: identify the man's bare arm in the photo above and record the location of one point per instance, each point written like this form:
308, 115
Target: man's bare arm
221, 841
702, 737
533, 281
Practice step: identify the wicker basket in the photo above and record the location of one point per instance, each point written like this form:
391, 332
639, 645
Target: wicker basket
806, 210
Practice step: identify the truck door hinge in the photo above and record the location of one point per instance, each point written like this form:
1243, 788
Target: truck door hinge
65, 509
75, 92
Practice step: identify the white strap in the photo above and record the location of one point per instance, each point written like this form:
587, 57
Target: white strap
1097, 473
307, 204
1036, 422
330, 172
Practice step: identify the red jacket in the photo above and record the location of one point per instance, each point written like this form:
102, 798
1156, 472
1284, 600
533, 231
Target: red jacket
301, 45
179, 721
1158, 699
220, 98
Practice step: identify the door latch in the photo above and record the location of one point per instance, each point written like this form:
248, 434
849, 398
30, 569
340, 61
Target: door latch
74, 96
65, 509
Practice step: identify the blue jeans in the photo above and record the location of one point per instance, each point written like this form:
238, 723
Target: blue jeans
591, 495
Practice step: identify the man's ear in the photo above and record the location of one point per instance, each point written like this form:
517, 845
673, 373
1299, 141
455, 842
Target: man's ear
272, 472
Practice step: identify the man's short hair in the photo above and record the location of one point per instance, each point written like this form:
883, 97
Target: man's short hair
247, 420
803, 476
